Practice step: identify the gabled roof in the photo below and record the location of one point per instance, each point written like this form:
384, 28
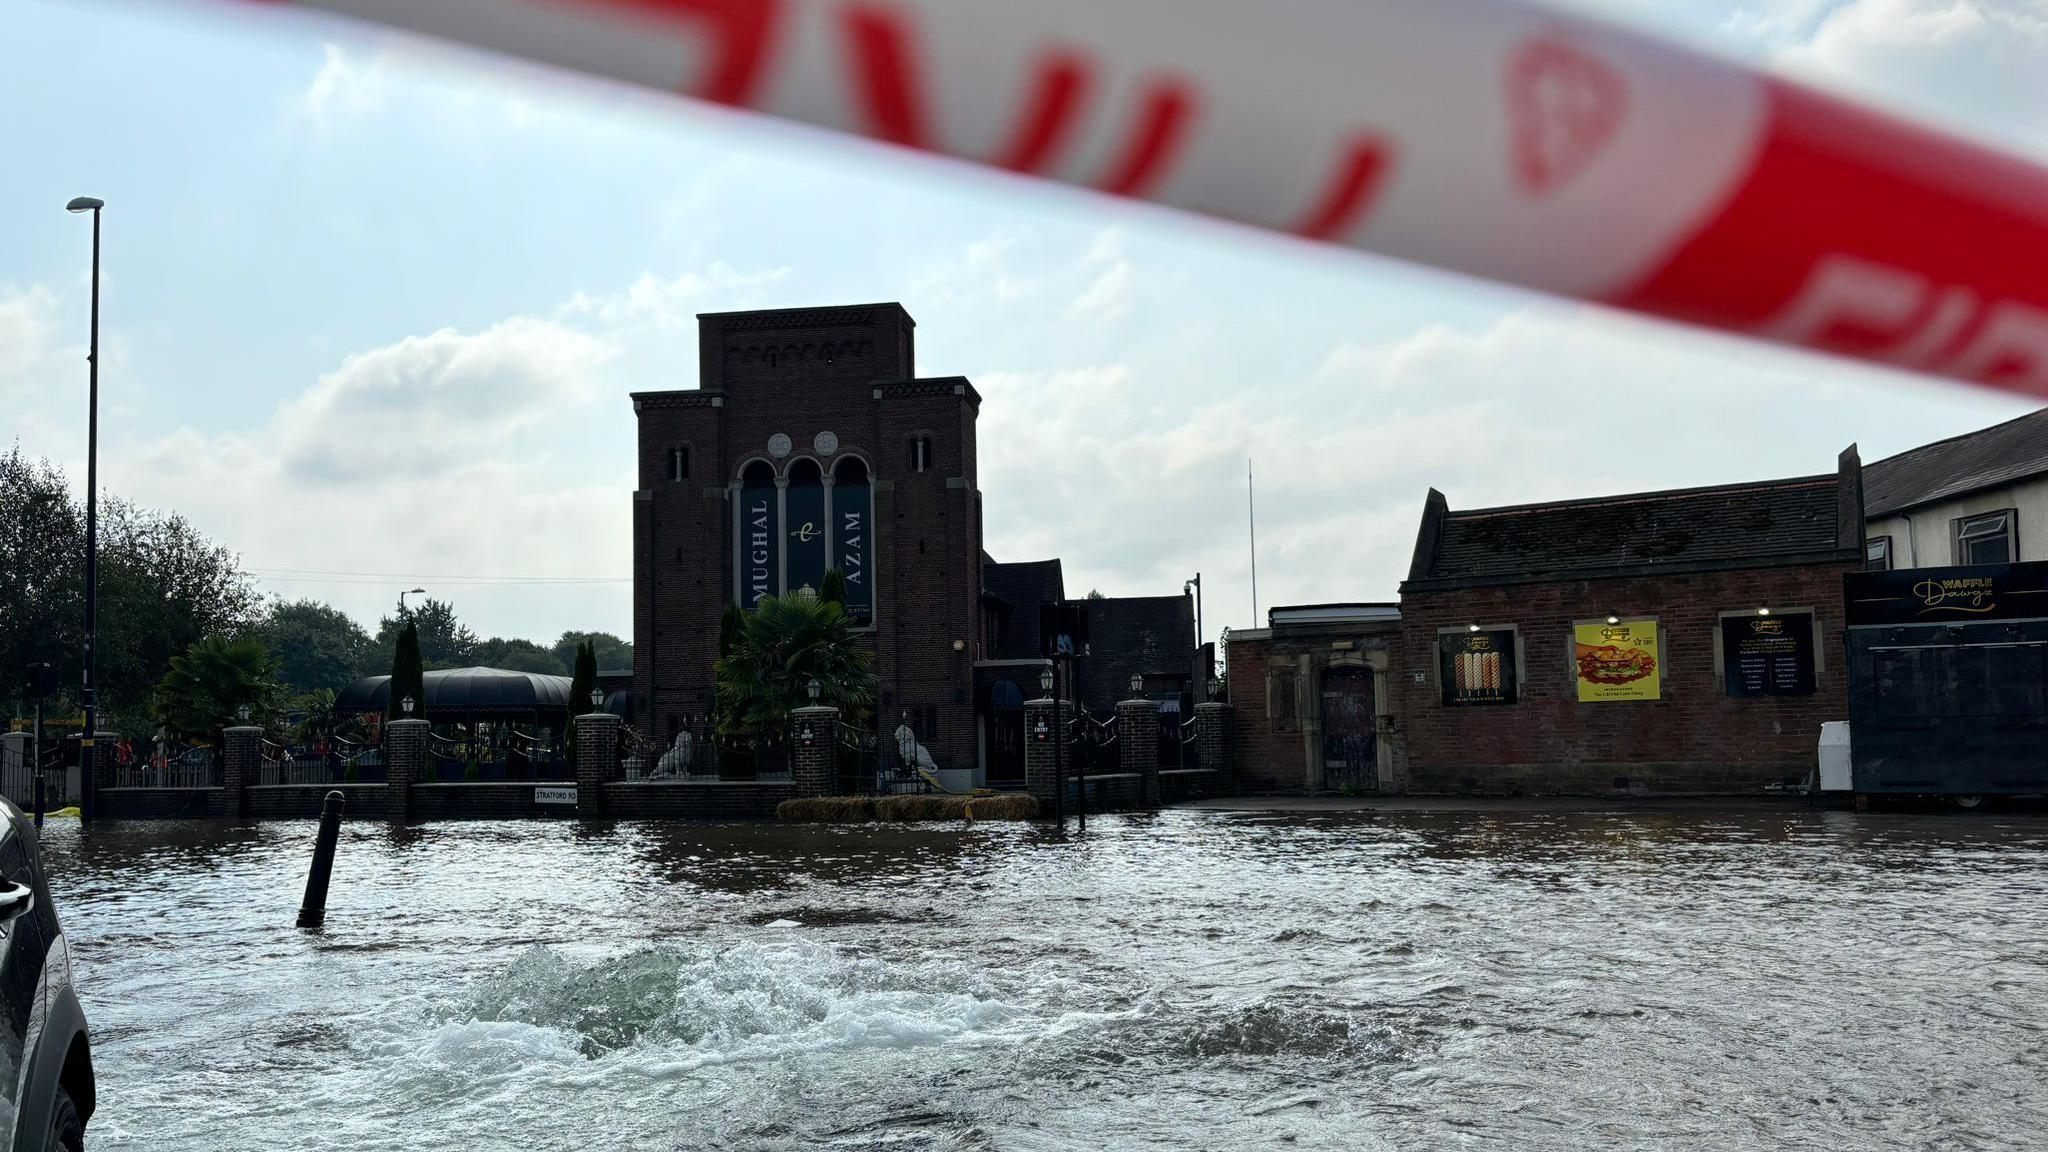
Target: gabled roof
2001, 454
1022, 588
1801, 520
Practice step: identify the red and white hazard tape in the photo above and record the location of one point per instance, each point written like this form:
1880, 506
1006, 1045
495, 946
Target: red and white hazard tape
1492, 137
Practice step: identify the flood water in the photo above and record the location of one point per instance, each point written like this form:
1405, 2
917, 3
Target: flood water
1203, 980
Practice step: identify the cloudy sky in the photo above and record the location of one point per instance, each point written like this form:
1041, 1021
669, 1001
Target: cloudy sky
372, 311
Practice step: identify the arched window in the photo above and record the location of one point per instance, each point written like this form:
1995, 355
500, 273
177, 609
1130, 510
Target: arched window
853, 519
678, 464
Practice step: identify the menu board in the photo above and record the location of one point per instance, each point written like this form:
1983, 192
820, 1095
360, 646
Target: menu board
1617, 661
1768, 655
1477, 667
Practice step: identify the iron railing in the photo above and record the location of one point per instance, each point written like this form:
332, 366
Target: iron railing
176, 766
1189, 744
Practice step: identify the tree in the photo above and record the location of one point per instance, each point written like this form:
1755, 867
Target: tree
1095, 594
445, 642
785, 643
163, 586
730, 625
317, 646
210, 682
612, 652
317, 719
584, 681
516, 655
835, 587
407, 675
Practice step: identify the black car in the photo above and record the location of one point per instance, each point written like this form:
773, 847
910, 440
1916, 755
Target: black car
46, 1088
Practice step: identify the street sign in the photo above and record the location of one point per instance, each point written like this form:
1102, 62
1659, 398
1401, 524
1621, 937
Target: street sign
554, 796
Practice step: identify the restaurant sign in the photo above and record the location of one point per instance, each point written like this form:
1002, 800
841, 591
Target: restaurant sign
1944, 595
1768, 655
1616, 661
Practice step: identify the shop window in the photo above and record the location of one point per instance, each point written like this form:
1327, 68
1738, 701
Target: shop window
1478, 667
1877, 554
921, 454
678, 464
1985, 539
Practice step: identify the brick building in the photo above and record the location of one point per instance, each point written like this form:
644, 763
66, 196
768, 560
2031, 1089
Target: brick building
1667, 641
1314, 708
811, 443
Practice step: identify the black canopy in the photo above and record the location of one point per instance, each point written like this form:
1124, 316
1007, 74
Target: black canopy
466, 692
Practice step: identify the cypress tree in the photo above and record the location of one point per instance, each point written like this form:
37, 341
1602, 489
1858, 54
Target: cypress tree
730, 626
408, 677
834, 591
584, 681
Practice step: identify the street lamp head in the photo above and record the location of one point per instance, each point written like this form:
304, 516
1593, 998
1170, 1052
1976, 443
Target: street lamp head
415, 591
85, 204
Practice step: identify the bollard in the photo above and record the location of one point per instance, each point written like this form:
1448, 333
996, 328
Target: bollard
313, 909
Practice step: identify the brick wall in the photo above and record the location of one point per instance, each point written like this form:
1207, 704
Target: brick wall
1278, 750
1695, 738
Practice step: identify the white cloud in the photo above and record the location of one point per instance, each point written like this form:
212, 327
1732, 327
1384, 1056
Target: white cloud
652, 302
26, 317
1109, 293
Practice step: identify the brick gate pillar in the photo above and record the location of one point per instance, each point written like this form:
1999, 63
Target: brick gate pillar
241, 756
1039, 740
597, 760
1137, 729
1212, 735
814, 750
96, 768
405, 762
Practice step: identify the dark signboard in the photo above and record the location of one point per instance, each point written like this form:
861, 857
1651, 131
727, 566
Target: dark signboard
805, 509
1063, 629
1477, 667
1768, 655
852, 532
1942, 595
760, 556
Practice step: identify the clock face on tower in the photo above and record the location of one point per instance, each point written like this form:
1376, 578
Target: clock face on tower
827, 443
778, 445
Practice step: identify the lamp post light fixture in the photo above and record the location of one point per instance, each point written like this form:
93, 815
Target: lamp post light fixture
93, 205
1045, 681
597, 699
242, 713
812, 689
1215, 687
1137, 683
405, 706
408, 592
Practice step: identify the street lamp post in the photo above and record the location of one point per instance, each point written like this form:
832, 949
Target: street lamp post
92, 499
403, 595
1050, 681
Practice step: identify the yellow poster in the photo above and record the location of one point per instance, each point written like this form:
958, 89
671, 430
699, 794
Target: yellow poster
1617, 661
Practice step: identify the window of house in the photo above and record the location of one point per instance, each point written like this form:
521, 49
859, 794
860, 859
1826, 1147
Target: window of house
1281, 704
921, 454
678, 464
1985, 539
1877, 554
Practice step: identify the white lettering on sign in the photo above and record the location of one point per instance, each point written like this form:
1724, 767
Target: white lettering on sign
758, 555
850, 550
1902, 317
554, 796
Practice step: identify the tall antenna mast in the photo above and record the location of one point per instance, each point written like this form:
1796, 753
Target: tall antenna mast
1251, 506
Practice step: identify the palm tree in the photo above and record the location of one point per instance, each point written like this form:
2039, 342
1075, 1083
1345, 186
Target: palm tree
785, 644
210, 683
317, 717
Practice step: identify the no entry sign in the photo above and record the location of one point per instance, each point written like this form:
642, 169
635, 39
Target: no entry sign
1491, 137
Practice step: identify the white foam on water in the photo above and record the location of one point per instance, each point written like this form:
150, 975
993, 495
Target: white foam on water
665, 1012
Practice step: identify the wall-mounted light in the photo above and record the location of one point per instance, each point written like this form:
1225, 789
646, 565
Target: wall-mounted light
959, 645
1613, 619
1471, 627
1764, 611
